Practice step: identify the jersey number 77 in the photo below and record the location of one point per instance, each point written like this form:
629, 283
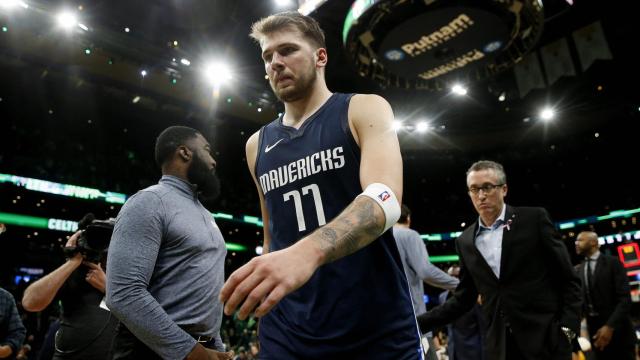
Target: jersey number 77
297, 201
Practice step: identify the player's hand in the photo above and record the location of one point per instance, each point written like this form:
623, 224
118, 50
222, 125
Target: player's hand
602, 338
5, 351
266, 279
96, 276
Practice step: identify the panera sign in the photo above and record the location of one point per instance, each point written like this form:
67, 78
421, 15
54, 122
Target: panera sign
438, 37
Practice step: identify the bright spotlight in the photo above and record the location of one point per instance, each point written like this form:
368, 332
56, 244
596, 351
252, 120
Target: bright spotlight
185, 62
259, 250
397, 125
502, 96
67, 20
422, 126
459, 90
547, 114
283, 3
12, 4
143, 73
217, 73
9, 4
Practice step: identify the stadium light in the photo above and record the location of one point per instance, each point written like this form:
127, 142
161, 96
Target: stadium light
217, 73
459, 90
547, 114
422, 126
67, 20
12, 4
283, 3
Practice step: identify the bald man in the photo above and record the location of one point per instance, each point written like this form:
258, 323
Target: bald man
607, 302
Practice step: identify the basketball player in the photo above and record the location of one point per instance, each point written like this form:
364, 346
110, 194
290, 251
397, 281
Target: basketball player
329, 178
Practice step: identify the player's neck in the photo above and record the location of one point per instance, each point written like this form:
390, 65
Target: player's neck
296, 112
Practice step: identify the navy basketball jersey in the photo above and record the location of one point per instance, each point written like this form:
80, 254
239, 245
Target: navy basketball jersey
355, 307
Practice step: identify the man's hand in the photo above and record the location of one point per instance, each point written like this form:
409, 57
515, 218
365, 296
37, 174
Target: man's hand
602, 338
95, 276
217, 355
200, 352
5, 351
268, 278
73, 242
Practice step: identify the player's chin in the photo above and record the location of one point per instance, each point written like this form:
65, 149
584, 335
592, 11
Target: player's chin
288, 94
285, 90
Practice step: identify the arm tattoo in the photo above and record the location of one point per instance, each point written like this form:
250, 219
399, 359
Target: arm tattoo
353, 229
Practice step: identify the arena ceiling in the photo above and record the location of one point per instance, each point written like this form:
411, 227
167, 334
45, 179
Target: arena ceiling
162, 33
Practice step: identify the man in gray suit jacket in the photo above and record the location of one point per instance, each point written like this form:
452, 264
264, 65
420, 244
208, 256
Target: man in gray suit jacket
513, 258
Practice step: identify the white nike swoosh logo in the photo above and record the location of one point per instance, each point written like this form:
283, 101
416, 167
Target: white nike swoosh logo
268, 148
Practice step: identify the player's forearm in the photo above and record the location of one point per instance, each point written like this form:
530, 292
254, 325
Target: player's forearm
40, 294
265, 243
356, 227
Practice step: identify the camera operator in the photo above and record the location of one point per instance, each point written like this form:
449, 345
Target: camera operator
87, 327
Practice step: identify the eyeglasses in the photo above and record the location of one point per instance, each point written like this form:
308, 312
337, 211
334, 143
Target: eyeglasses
487, 189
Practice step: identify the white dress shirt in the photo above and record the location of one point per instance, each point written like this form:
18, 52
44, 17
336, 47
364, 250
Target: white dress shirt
489, 241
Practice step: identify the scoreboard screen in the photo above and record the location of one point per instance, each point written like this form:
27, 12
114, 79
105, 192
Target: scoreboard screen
629, 255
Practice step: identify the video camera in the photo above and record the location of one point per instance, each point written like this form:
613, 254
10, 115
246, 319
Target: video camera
94, 238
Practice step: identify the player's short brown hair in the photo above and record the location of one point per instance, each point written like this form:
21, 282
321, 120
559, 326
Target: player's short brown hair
308, 26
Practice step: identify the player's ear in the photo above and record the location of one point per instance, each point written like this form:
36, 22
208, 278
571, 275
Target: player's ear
321, 57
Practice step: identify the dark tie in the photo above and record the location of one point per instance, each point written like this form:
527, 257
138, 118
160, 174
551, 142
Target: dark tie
592, 311
589, 274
